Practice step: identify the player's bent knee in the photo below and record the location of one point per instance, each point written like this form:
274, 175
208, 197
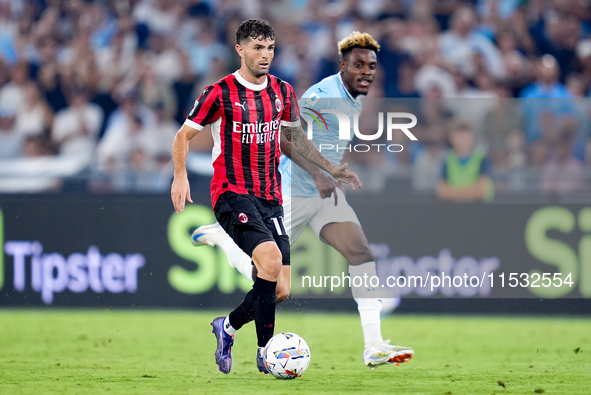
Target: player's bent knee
268, 260
269, 270
274, 268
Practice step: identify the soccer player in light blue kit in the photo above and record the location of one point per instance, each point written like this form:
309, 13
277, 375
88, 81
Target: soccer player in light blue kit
307, 192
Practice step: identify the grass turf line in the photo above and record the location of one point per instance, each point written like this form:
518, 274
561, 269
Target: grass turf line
63, 351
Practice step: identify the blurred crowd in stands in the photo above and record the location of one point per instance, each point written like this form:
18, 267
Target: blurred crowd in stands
93, 92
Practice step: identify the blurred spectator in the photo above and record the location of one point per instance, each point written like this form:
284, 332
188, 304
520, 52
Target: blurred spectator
549, 130
4, 71
217, 70
575, 84
431, 74
418, 34
392, 55
8, 30
501, 121
76, 128
473, 111
11, 139
517, 69
546, 86
461, 42
537, 155
160, 16
156, 139
129, 108
584, 59
465, 174
127, 30
37, 147
103, 25
116, 62
35, 117
114, 150
557, 32
565, 173
295, 61
164, 59
144, 175
12, 94
152, 90
493, 11
51, 86
516, 156
433, 109
405, 88
510, 164
426, 171
136, 157
38, 51
184, 92
462, 85
587, 160
519, 26
205, 49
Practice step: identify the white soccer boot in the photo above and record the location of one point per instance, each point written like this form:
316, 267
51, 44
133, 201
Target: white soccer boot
207, 235
387, 354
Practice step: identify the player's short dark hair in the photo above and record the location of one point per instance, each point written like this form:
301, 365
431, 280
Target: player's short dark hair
254, 29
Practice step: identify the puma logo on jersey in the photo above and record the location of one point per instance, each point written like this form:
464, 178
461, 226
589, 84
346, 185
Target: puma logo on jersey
240, 105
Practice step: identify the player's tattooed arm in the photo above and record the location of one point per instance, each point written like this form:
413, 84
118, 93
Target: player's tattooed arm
305, 148
296, 136
325, 184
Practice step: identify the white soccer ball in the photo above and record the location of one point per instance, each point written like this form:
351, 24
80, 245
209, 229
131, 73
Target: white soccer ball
287, 356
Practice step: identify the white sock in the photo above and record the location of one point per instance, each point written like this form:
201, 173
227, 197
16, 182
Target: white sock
236, 257
369, 305
229, 329
369, 312
244, 266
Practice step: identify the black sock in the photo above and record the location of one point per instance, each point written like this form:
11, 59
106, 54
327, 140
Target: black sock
244, 313
263, 303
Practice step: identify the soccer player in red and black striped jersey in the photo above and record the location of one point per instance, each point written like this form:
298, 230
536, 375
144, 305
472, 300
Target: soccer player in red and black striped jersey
247, 111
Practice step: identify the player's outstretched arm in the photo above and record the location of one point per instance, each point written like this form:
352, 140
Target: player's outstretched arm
299, 143
180, 190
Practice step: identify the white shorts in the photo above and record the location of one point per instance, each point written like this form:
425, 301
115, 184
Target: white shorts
316, 212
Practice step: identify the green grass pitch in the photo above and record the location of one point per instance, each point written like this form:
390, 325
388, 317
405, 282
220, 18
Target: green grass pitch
171, 352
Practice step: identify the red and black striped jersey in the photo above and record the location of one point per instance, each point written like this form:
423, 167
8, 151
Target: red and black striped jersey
245, 123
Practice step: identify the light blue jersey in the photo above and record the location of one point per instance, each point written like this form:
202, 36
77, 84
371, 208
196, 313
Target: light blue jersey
328, 94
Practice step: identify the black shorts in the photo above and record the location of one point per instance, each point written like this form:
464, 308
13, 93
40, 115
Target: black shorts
250, 221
